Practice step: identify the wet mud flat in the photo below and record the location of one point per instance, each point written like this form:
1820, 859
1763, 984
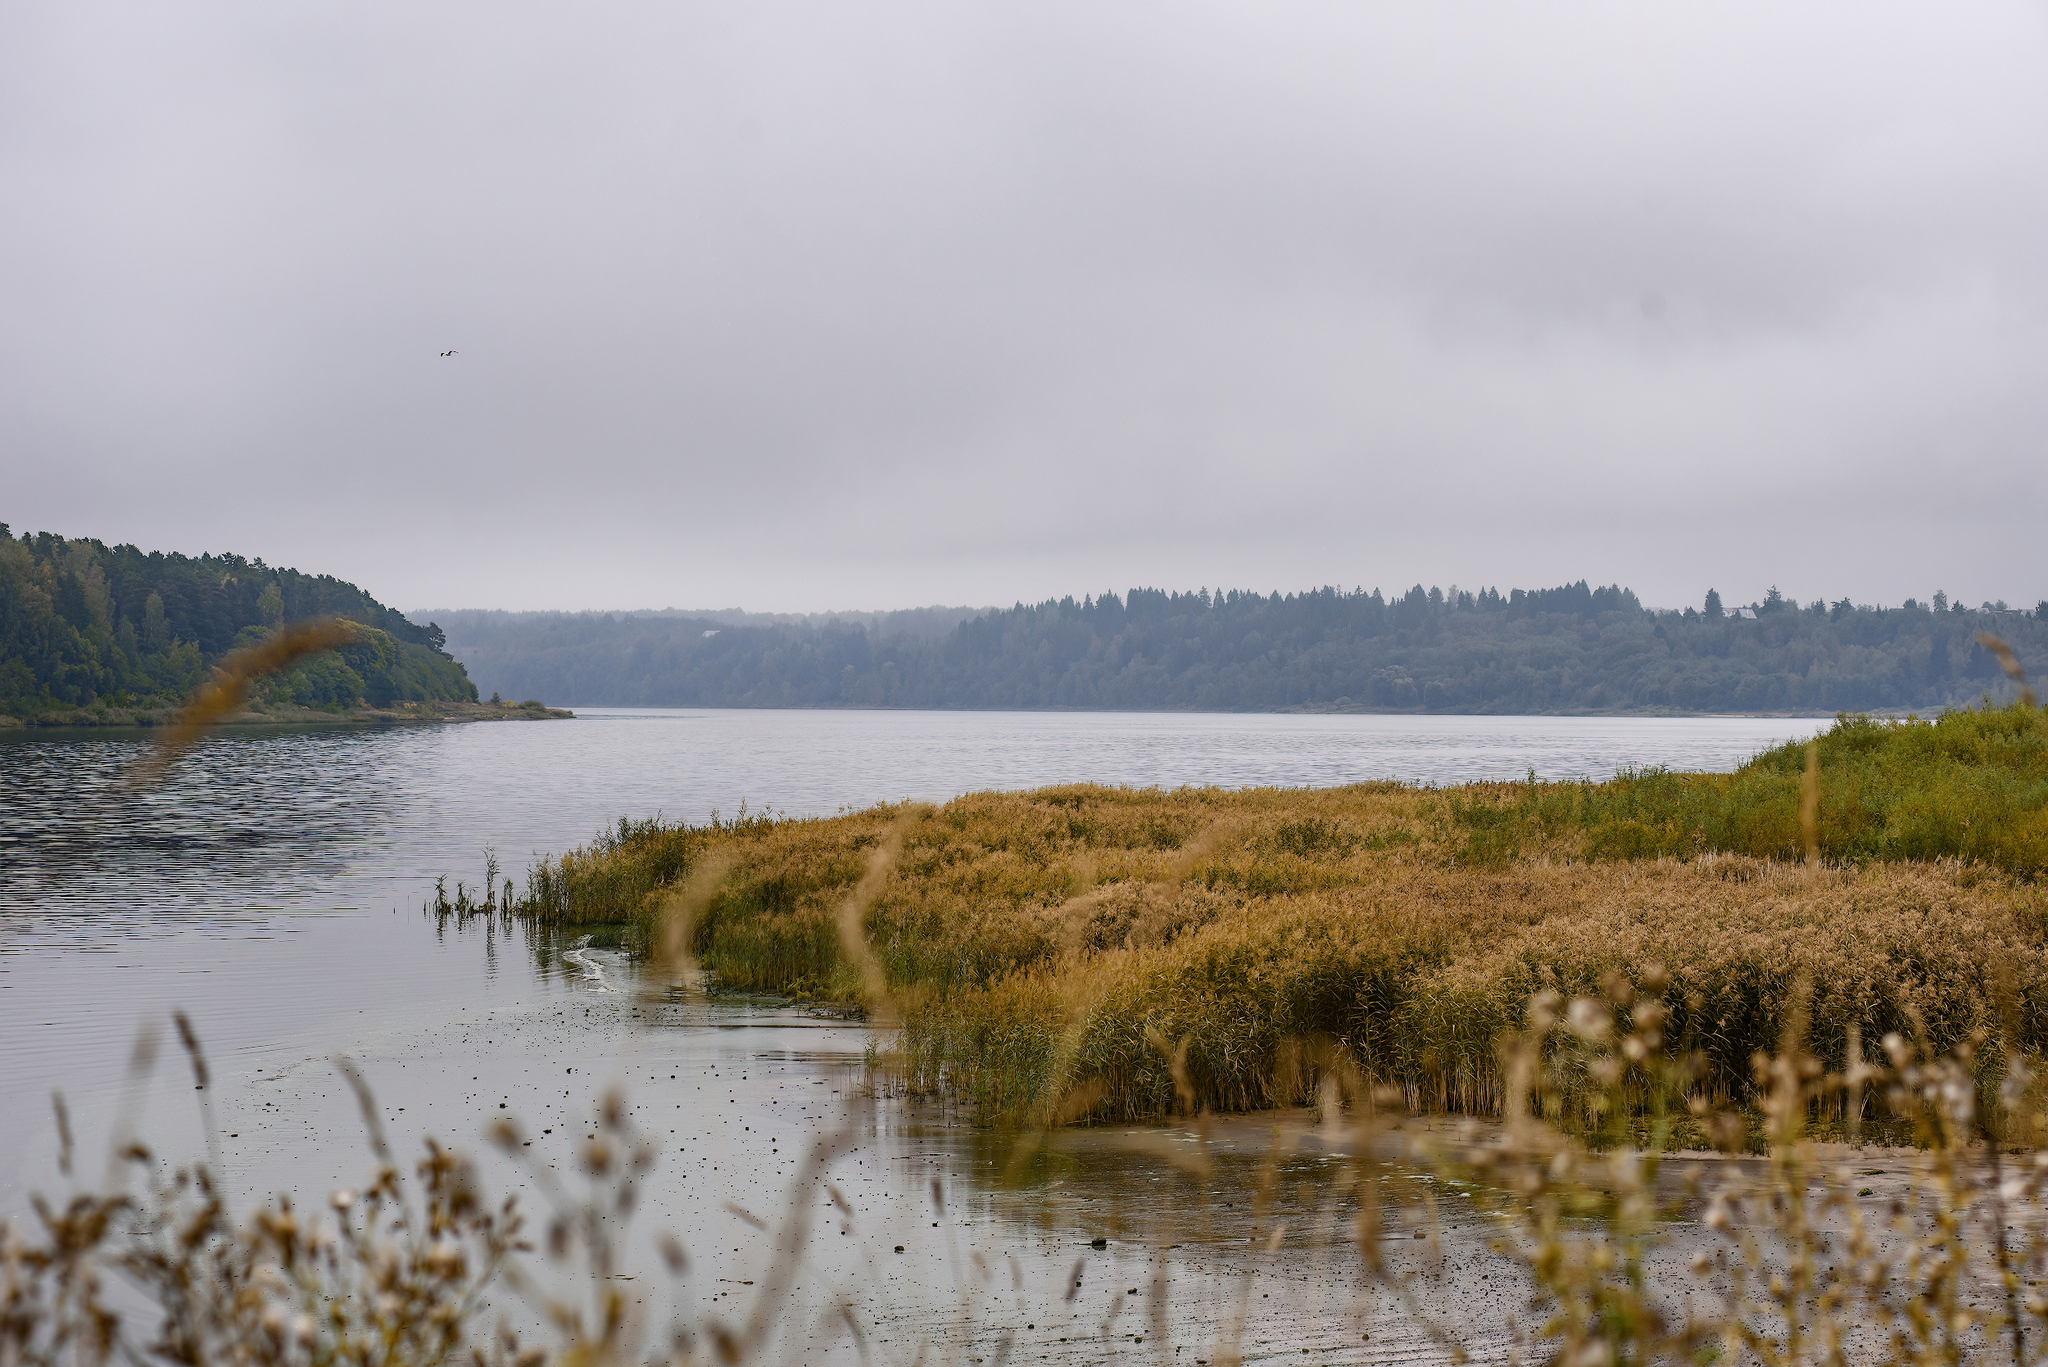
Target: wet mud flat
907, 1227
950, 1236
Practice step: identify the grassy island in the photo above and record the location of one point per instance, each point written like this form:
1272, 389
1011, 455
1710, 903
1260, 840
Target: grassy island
1070, 950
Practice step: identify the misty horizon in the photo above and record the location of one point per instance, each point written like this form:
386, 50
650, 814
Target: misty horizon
1961, 601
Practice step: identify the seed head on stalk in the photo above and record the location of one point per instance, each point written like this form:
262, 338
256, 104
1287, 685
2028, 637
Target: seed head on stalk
229, 686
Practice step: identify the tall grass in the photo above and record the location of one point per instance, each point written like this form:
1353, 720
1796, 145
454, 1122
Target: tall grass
1967, 785
1414, 981
1040, 943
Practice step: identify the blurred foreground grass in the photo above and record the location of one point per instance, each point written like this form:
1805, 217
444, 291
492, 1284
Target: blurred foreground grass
1793, 1260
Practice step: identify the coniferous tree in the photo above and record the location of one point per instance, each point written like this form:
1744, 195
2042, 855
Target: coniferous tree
1574, 647
85, 625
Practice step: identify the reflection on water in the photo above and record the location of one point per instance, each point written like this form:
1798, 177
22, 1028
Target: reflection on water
242, 825
1072, 1246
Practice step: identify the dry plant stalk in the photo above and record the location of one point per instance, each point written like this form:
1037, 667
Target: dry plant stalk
1801, 1263
2010, 663
1809, 805
674, 963
852, 916
393, 1276
397, 1273
229, 688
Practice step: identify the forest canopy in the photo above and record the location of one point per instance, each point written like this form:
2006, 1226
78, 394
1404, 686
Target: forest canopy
85, 625
1572, 648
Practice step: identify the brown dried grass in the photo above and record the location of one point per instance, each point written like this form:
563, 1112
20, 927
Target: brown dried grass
1039, 943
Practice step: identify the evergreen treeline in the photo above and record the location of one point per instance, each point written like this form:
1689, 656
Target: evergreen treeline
1567, 649
86, 625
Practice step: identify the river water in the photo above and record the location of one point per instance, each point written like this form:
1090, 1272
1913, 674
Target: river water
270, 888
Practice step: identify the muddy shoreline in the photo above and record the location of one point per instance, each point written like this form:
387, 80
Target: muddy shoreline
1224, 1239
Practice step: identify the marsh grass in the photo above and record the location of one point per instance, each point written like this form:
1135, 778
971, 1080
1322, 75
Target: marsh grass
1038, 945
1794, 1262
1969, 785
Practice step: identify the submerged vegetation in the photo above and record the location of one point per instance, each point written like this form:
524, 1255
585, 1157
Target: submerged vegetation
94, 634
1076, 941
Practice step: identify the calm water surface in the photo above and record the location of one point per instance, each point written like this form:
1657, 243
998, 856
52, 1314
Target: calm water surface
255, 823
270, 888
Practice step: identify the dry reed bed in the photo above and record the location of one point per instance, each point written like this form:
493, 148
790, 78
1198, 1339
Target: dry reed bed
1416, 979
1053, 952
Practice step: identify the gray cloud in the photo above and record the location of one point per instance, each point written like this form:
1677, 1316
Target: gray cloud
809, 305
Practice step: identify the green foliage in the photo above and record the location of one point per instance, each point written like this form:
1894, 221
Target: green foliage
82, 625
1566, 649
1970, 785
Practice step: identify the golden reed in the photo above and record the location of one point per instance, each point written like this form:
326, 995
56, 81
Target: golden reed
229, 687
2009, 662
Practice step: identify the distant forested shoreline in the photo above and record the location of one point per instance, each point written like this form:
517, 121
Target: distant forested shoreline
1574, 648
85, 626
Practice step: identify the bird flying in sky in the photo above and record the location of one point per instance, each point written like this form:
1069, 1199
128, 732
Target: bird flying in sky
449, 352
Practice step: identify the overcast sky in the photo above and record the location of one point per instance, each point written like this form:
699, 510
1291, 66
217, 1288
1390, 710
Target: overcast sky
803, 305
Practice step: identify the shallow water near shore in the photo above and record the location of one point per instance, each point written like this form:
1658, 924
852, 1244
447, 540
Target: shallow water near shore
270, 888
951, 1233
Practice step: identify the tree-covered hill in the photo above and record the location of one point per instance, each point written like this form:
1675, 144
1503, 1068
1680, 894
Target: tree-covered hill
1568, 649
86, 625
